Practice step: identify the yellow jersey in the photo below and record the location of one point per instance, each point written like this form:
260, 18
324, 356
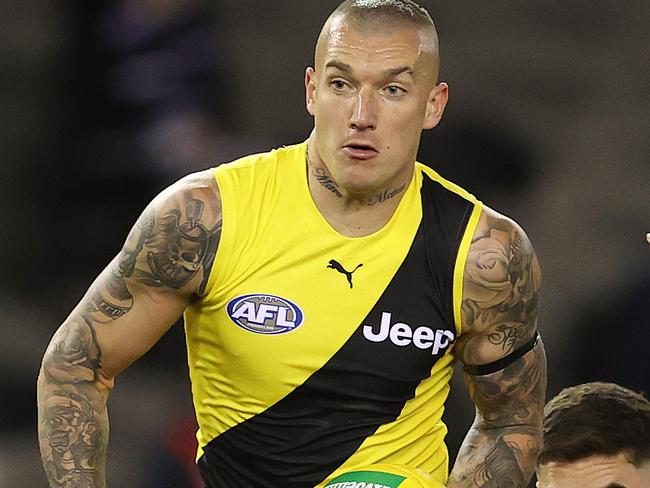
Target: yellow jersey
313, 353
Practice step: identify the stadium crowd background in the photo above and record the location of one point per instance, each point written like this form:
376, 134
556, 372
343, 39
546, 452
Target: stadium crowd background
103, 104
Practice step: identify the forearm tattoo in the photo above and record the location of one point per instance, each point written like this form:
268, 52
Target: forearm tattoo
496, 471
499, 313
73, 423
172, 245
501, 448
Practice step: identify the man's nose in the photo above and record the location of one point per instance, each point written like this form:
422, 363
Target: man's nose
364, 111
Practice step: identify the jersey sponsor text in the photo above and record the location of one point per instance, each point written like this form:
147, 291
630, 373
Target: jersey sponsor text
401, 334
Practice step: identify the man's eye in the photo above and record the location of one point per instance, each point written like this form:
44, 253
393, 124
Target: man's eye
338, 84
395, 90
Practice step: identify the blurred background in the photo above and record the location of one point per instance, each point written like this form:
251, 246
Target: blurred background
103, 104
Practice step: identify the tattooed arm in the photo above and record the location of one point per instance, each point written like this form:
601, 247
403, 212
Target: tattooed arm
164, 264
499, 313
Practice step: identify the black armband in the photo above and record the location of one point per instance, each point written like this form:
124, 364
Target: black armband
502, 363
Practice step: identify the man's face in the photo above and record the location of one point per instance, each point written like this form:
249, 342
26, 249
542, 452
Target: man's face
371, 94
594, 472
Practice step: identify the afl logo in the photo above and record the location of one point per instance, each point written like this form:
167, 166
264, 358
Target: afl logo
264, 314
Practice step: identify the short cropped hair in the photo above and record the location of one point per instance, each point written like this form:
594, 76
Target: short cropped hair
404, 10
596, 419
379, 15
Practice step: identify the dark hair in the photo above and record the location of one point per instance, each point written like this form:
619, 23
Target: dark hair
405, 10
596, 419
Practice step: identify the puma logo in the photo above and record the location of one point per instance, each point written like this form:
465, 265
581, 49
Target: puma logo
334, 264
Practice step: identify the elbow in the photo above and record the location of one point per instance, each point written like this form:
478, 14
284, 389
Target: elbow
73, 356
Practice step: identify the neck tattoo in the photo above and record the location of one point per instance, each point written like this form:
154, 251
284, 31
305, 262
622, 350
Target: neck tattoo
323, 177
385, 195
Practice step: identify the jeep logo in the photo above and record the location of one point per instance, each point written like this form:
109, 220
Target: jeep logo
402, 335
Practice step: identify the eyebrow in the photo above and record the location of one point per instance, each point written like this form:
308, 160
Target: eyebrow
346, 68
339, 65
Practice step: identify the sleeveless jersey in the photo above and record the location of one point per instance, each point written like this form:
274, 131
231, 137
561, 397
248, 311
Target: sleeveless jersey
313, 353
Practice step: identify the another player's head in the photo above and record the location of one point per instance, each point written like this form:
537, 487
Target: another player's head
596, 435
373, 89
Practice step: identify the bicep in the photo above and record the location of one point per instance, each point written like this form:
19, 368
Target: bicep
126, 317
501, 289
164, 264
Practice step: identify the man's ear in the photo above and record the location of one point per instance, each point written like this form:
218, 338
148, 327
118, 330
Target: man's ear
310, 89
436, 104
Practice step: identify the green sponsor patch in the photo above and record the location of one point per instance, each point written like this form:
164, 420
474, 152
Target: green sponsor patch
366, 479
